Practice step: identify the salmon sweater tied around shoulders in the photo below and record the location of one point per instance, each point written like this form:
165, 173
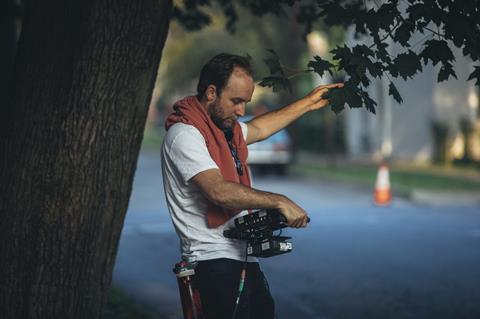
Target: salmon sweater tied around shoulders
190, 111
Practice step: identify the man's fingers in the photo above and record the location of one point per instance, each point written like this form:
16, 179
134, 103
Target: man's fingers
322, 103
296, 223
333, 85
299, 223
324, 88
304, 222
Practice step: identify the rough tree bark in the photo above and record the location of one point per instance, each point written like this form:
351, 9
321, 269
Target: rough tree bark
7, 44
83, 78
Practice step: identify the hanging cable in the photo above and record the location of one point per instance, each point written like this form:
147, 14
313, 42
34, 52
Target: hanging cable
241, 285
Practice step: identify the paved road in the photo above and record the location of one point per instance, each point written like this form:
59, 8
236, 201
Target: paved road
353, 261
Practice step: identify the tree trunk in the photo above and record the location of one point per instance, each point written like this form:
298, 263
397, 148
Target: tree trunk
83, 79
7, 52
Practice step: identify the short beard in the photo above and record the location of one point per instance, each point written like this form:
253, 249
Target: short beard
216, 114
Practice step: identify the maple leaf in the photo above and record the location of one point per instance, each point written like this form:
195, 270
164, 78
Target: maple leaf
277, 79
445, 72
320, 66
437, 51
404, 32
475, 75
392, 90
277, 83
406, 65
273, 63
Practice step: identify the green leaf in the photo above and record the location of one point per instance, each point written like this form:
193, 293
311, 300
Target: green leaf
332, 13
404, 32
382, 52
362, 50
277, 83
320, 66
475, 75
456, 29
273, 64
365, 81
355, 63
337, 99
343, 55
350, 95
385, 16
418, 12
375, 69
406, 65
392, 90
277, 79
368, 102
353, 98
445, 72
437, 51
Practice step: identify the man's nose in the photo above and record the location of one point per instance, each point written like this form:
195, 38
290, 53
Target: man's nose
240, 109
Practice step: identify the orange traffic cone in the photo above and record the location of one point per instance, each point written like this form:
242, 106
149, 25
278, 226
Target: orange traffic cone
383, 193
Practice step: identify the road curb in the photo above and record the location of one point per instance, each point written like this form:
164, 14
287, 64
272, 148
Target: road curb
442, 198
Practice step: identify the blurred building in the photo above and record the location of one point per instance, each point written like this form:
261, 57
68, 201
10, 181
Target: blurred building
436, 122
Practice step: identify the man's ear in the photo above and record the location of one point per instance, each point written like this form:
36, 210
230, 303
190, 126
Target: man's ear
211, 93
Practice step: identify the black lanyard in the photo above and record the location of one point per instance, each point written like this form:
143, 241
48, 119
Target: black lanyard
238, 164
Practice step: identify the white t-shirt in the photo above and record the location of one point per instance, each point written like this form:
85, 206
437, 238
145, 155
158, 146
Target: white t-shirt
184, 154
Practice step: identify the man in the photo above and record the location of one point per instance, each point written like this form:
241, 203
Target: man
207, 183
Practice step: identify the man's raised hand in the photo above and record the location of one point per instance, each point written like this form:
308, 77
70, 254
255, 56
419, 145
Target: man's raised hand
316, 97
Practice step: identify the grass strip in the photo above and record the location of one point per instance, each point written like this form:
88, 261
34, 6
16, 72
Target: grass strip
401, 178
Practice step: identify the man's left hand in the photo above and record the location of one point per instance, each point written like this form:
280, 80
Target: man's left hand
316, 97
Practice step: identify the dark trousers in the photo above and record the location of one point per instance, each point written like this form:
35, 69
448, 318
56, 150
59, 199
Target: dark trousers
218, 281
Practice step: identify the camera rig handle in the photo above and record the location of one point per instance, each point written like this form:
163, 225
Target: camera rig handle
257, 230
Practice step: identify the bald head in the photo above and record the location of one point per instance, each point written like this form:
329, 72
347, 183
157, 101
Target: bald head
218, 70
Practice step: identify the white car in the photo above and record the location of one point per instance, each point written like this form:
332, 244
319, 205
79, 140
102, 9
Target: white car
274, 153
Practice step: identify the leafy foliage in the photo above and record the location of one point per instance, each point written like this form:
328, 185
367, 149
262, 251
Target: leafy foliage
277, 81
450, 22
386, 30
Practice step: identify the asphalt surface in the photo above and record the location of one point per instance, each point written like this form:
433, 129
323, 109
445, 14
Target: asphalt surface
354, 260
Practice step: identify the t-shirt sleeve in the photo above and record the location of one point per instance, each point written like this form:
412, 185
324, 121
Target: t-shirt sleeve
188, 151
244, 130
